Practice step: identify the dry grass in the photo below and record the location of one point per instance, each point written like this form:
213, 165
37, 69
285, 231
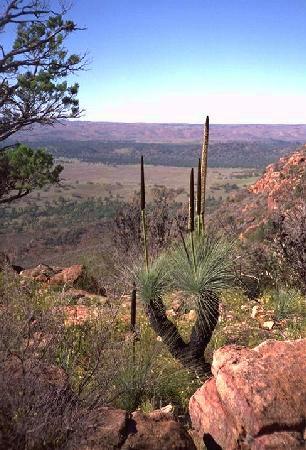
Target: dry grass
82, 180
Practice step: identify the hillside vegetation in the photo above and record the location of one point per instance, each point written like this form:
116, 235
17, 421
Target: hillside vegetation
230, 154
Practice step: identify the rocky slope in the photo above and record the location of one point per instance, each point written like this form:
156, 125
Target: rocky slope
281, 188
281, 180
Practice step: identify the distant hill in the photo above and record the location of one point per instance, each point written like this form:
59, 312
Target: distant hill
248, 146
221, 154
161, 133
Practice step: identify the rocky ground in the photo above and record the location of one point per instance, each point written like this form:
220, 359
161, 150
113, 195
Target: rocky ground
252, 402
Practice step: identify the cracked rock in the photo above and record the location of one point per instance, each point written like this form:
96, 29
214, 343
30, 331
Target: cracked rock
256, 399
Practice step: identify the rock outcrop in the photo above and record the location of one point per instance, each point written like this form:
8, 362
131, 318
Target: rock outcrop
110, 429
74, 276
256, 399
280, 189
280, 178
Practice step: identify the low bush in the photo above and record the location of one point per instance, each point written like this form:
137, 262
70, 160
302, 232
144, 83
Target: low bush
53, 372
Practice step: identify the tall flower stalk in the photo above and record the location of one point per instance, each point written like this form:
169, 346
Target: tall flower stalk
191, 215
133, 316
199, 197
204, 171
143, 212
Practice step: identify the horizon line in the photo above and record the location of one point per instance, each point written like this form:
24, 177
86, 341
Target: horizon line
188, 123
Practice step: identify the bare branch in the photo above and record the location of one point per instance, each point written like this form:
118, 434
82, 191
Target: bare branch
19, 194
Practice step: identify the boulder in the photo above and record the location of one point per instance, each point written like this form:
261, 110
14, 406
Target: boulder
70, 275
110, 429
42, 273
256, 399
73, 276
156, 431
104, 428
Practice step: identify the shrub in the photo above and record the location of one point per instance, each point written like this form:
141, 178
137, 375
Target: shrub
287, 302
54, 374
151, 378
288, 240
49, 372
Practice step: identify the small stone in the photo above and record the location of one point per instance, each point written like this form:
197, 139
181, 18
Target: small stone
268, 325
176, 305
192, 315
170, 313
254, 311
167, 409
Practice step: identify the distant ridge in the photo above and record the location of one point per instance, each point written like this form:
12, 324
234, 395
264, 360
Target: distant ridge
161, 133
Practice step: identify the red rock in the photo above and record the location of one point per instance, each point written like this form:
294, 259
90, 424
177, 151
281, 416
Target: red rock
280, 177
210, 415
105, 428
42, 272
110, 429
254, 393
279, 441
70, 275
156, 431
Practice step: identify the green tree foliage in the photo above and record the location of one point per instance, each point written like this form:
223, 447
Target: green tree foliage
33, 89
23, 169
33, 69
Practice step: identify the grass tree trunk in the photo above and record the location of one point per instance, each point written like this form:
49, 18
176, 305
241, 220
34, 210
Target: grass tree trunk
207, 319
191, 354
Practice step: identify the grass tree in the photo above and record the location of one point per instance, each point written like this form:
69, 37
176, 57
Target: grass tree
200, 266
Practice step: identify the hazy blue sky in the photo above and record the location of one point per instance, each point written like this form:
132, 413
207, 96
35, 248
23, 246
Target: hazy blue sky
178, 60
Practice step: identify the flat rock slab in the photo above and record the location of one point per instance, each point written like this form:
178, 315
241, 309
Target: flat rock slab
111, 429
256, 399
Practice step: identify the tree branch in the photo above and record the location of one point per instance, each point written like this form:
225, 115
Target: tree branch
20, 194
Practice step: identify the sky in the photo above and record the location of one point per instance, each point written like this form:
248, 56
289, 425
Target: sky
240, 61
